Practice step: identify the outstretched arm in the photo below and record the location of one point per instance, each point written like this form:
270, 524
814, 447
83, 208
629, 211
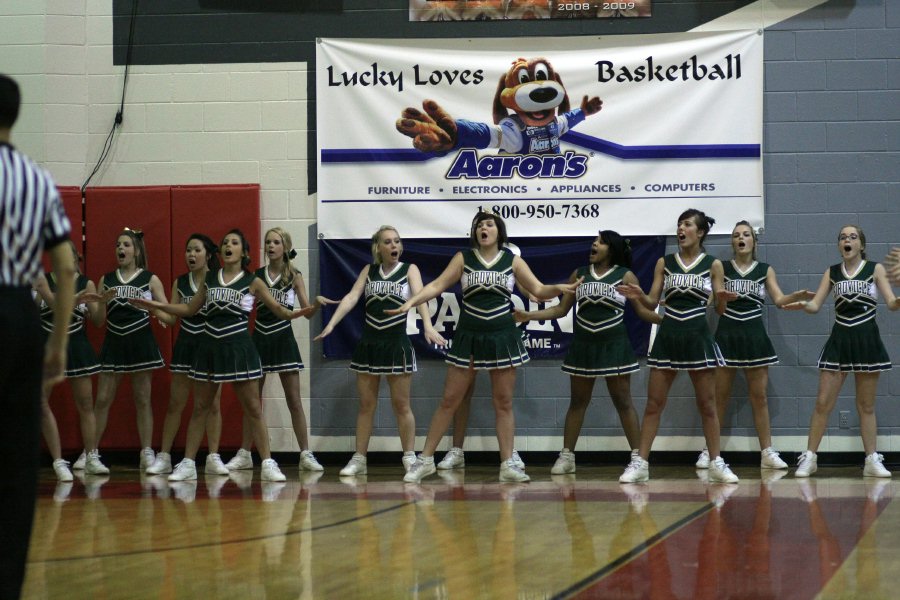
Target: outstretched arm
884, 286
451, 274
261, 291
643, 313
428, 330
179, 310
633, 291
779, 297
812, 306
553, 312
526, 278
346, 304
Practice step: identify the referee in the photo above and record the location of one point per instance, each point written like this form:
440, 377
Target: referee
31, 220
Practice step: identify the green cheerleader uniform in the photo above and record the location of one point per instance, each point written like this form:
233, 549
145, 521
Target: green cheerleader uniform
487, 335
741, 335
129, 344
683, 341
226, 352
81, 360
384, 348
855, 343
273, 336
192, 329
600, 346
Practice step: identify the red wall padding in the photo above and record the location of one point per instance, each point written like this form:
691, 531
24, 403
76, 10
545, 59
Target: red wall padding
167, 215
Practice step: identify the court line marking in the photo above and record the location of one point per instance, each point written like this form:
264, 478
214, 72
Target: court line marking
632, 554
256, 538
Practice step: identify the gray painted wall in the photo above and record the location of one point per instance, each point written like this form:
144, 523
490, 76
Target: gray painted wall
832, 156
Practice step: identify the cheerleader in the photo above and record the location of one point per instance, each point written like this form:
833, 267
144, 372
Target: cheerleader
486, 337
384, 348
278, 351
81, 364
201, 256
685, 280
854, 346
600, 346
226, 352
742, 338
129, 346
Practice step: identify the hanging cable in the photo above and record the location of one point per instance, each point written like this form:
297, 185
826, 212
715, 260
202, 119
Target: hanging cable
120, 114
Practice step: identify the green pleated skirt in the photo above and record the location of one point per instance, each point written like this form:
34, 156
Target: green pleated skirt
684, 346
604, 354
745, 344
855, 349
486, 350
136, 351
278, 351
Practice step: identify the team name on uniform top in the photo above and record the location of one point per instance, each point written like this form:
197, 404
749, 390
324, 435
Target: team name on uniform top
598, 288
385, 288
745, 287
684, 280
129, 291
225, 295
854, 286
690, 70
486, 278
284, 297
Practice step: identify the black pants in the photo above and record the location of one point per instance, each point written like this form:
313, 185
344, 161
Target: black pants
21, 363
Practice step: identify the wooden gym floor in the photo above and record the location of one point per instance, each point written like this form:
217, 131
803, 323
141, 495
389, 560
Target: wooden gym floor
464, 535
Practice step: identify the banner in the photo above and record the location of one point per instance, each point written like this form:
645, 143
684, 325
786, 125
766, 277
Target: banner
552, 261
560, 136
487, 10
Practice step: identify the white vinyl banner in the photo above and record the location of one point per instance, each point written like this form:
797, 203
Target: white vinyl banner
560, 136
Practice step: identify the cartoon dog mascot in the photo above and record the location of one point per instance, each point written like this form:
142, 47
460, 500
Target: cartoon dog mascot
535, 94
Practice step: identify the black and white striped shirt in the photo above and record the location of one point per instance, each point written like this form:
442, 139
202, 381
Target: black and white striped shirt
32, 217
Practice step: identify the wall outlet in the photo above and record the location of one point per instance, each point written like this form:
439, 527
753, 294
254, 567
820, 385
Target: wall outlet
844, 419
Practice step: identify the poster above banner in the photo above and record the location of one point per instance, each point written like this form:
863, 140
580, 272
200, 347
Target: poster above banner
486, 10
554, 134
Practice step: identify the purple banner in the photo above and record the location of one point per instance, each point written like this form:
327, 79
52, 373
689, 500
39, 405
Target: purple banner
552, 260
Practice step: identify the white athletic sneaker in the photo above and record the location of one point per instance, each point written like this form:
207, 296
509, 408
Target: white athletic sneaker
806, 464
269, 471
512, 472
93, 466
61, 468
565, 463
79, 462
308, 462
409, 459
703, 460
874, 466
517, 460
214, 465
422, 468
162, 464
186, 470
454, 459
769, 459
240, 461
720, 473
356, 466
147, 458
638, 470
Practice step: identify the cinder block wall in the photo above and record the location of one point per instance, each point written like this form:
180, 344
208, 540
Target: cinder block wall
201, 111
